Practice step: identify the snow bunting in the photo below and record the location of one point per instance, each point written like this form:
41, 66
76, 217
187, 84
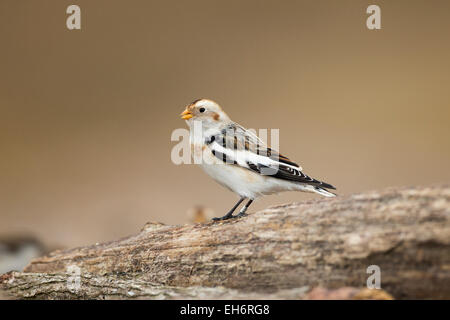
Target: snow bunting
237, 159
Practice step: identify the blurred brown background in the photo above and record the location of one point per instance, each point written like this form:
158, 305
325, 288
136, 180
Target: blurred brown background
86, 116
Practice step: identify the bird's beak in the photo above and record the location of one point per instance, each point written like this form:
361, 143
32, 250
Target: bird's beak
186, 114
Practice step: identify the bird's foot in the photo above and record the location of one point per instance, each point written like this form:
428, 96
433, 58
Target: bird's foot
229, 215
225, 217
241, 214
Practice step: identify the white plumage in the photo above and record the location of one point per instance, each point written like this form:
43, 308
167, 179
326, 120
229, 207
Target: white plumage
239, 161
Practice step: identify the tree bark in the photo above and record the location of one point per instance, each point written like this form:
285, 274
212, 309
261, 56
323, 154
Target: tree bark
281, 252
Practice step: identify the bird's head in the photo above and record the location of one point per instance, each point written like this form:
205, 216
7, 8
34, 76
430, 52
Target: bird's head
206, 111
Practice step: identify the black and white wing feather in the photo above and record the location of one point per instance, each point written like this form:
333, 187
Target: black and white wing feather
237, 146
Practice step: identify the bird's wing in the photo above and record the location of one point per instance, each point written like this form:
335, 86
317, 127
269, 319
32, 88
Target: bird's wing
238, 146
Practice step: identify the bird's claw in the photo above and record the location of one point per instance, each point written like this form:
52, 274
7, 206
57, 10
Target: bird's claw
226, 217
222, 218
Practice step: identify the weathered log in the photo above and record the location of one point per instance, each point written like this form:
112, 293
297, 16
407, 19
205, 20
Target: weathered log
281, 252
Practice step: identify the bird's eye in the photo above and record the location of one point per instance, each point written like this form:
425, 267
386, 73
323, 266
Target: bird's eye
202, 110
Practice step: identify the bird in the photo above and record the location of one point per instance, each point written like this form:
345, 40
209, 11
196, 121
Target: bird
238, 160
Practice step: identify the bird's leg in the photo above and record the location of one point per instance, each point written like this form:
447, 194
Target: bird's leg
230, 213
244, 209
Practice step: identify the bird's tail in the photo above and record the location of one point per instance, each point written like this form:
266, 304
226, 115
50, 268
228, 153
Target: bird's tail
322, 191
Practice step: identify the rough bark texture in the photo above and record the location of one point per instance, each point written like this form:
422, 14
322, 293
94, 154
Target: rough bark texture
281, 252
